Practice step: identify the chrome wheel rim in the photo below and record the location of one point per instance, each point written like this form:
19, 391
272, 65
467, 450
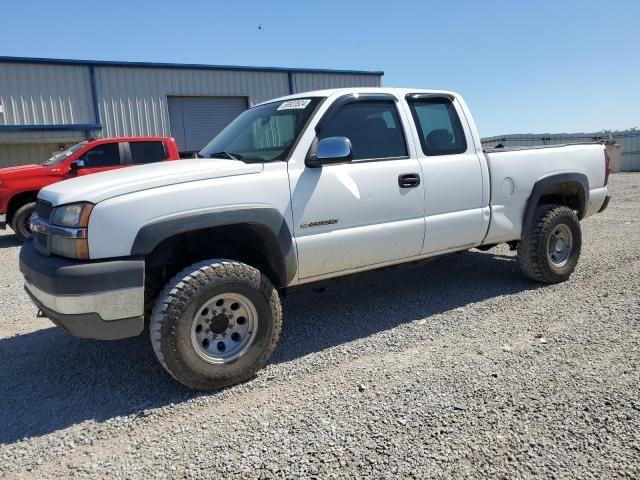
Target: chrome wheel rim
560, 245
224, 328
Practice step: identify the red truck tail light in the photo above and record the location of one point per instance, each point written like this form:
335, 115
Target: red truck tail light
607, 166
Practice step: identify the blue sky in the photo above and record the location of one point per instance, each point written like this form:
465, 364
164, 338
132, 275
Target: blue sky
523, 66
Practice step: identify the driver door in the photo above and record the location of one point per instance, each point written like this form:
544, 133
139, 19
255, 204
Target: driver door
101, 158
357, 214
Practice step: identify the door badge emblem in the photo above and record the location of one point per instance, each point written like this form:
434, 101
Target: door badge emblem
320, 223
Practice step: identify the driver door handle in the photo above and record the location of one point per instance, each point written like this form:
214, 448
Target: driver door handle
408, 180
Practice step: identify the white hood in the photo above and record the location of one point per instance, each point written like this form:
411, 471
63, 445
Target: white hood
100, 186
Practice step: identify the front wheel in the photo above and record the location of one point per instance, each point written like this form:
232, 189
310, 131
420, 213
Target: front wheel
21, 223
550, 247
216, 324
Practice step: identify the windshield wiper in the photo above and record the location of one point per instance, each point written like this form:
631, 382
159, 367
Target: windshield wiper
229, 155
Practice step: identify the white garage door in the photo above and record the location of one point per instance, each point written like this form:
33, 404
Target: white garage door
194, 121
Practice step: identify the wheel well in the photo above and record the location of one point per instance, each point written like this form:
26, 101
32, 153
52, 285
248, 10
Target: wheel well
569, 194
568, 189
17, 201
244, 243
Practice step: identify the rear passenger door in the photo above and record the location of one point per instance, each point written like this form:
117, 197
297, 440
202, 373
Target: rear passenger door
149, 151
452, 174
356, 214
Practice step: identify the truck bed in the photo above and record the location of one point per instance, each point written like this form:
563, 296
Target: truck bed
515, 170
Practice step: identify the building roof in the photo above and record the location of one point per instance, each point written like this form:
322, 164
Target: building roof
186, 66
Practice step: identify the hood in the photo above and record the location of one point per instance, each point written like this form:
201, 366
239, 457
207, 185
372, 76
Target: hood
98, 187
22, 171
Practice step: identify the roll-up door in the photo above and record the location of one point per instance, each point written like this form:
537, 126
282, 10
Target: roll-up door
194, 121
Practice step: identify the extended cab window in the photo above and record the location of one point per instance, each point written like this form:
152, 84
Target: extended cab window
439, 127
105, 155
373, 127
147, 152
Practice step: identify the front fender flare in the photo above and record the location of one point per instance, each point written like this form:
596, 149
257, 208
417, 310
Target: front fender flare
272, 226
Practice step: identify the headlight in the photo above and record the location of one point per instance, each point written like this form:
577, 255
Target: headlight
69, 230
73, 215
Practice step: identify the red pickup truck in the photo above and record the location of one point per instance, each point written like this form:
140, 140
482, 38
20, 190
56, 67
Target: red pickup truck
19, 186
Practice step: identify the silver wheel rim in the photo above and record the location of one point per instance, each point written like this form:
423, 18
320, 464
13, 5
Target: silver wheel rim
560, 245
224, 328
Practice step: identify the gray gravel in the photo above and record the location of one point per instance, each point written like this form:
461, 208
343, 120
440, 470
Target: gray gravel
459, 368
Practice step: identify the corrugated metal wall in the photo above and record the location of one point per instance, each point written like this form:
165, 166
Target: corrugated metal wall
133, 101
41, 137
27, 153
629, 141
305, 82
36, 94
630, 147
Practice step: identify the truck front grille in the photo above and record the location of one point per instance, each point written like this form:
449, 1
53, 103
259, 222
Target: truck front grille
41, 237
43, 210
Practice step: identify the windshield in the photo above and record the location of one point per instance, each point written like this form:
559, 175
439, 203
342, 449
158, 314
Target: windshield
62, 156
264, 133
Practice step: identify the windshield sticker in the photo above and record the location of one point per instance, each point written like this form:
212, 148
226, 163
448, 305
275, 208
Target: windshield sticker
295, 104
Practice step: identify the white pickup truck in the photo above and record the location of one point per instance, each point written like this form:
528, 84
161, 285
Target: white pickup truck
295, 191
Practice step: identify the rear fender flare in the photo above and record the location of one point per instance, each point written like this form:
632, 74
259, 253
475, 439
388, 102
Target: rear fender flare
549, 185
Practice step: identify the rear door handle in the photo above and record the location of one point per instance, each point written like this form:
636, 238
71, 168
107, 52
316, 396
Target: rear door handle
408, 180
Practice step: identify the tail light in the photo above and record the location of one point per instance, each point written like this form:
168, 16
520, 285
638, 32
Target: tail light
607, 166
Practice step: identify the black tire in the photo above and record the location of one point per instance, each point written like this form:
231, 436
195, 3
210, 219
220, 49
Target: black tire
20, 221
534, 255
180, 302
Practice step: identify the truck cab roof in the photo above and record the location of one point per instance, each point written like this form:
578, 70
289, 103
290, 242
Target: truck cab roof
397, 92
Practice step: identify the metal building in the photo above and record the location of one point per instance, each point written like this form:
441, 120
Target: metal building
49, 104
629, 141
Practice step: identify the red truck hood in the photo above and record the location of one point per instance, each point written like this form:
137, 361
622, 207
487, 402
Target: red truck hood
23, 171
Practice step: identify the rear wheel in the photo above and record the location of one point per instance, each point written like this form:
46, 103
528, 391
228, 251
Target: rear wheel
550, 247
21, 222
216, 324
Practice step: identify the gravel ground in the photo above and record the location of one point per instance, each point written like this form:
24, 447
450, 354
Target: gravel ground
458, 368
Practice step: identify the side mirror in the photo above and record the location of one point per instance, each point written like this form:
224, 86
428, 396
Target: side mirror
77, 165
329, 151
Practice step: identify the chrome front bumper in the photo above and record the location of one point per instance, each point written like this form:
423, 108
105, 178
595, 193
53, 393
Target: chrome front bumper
109, 305
102, 299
